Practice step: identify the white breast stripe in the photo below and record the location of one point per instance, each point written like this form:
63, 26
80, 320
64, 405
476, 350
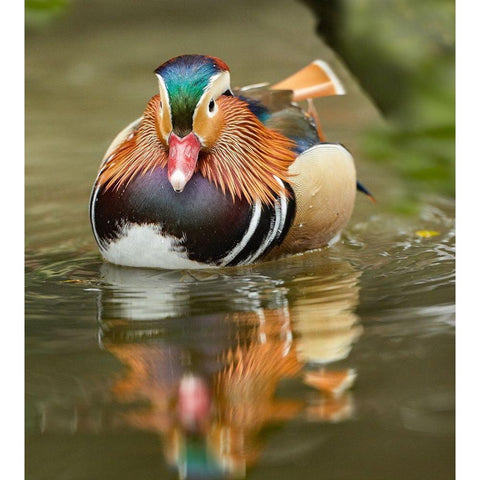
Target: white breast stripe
275, 230
283, 202
257, 210
275, 220
92, 215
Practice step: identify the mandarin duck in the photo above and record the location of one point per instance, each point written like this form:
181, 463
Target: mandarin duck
209, 176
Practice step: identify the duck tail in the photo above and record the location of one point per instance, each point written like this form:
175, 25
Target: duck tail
362, 189
315, 80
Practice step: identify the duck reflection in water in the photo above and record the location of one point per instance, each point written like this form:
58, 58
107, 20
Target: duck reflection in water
209, 383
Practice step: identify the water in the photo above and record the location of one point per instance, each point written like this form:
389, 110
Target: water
334, 364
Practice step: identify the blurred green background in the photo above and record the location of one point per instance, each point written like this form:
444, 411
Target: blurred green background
403, 54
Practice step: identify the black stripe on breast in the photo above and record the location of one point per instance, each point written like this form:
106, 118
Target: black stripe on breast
273, 226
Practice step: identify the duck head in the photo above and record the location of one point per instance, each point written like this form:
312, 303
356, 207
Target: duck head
195, 124
189, 118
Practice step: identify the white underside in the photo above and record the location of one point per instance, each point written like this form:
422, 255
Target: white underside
146, 246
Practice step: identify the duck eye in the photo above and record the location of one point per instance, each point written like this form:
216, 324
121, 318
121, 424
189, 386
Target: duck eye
211, 106
228, 93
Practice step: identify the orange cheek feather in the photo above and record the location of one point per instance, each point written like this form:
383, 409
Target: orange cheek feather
208, 128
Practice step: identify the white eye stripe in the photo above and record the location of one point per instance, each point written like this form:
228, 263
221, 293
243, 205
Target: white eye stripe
163, 87
164, 97
164, 102
218, 84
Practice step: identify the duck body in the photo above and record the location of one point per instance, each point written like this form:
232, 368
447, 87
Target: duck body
144, 224
173, 191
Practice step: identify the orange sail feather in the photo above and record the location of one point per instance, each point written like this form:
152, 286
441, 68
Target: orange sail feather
315, 80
